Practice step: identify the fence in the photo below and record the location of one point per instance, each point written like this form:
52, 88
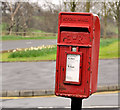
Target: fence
39, 34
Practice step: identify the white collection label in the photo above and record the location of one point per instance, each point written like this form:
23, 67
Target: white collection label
72, 67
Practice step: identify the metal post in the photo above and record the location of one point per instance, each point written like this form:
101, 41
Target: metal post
76, 103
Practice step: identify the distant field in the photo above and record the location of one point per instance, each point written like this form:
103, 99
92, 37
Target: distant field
108, 50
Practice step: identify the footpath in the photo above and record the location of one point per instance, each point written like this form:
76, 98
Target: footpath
23, 79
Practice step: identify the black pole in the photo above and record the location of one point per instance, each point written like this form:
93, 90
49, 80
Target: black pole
76, 103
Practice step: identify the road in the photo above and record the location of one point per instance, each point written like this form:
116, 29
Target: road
99, 100
41, 75
13, 44
59, 109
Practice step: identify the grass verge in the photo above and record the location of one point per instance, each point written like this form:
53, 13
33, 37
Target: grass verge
8, 37
110, 51
39, 58
31, 54
34, 52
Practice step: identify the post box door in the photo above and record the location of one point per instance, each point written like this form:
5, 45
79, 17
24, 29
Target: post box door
80, 81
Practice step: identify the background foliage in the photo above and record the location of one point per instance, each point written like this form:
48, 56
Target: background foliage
31, 17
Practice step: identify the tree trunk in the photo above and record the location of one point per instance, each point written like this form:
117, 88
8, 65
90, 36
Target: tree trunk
105, 26
24, 32
11, 26
65, 6
119, 28
105, 21
17, 24
87, 6
73, 6
119, 19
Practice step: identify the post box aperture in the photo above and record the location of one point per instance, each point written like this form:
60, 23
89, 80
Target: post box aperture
77, 54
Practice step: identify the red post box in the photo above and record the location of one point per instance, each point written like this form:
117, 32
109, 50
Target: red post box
77, 54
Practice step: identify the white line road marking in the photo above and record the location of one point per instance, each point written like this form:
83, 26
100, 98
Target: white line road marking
82, 107
44, 107
101, 106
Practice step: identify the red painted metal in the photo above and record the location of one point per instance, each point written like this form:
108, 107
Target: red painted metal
80, 30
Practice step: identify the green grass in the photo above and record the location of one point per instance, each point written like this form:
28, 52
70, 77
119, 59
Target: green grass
108, 50
10, 37
6, 59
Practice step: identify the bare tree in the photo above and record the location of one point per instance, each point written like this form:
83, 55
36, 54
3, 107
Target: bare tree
13, 11
118, 18
106, 11
73, 4
26, 12
116, 13
5, 14
70, 5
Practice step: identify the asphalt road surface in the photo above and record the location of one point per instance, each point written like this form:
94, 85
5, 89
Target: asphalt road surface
13, 44
100, 100
41, 75
59, 109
